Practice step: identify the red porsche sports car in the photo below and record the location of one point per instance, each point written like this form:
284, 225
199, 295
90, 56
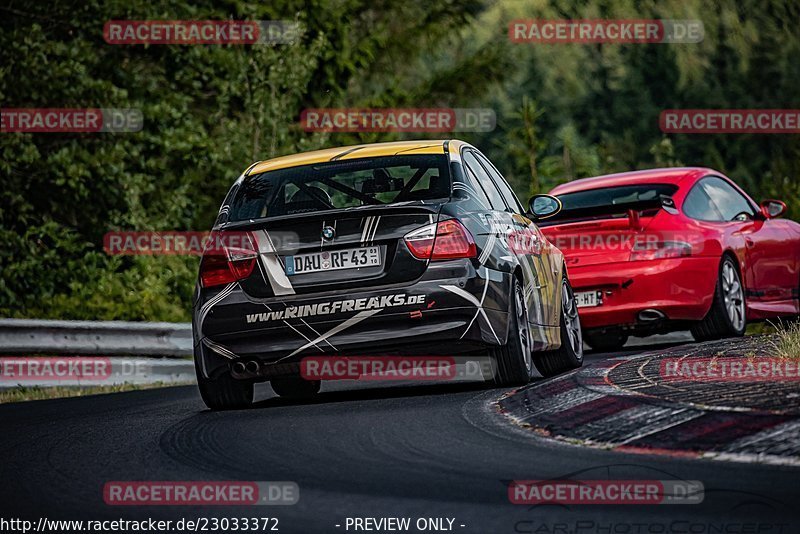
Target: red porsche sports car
667, 249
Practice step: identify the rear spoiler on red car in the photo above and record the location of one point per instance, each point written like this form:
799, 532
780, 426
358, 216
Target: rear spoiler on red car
632, 210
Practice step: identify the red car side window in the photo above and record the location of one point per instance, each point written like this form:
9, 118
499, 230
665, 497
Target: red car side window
698, 205
728, 200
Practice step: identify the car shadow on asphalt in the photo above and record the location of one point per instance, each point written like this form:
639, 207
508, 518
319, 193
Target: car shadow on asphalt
355, 391
592, 356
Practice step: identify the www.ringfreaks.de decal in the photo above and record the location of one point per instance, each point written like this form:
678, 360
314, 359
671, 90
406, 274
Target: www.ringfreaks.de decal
331, 307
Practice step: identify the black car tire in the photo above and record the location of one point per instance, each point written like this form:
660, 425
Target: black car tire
224, 392
509, 360
566, 357
295, 387
605, 341
719, 323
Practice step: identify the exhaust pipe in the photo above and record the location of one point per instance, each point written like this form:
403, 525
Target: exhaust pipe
650, 315
239, 368
252, 367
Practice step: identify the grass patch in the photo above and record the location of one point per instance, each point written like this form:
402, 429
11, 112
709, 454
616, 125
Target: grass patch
765, 327
787, 340
30, 393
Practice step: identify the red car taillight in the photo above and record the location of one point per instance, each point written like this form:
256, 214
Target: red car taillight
446, 240
660, 250
223, 263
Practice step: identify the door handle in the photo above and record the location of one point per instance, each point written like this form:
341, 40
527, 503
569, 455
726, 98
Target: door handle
749, 242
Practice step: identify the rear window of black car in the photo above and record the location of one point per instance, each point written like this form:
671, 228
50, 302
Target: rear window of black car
341, 184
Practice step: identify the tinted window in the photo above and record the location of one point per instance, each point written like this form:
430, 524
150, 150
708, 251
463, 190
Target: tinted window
726, 198
613, 202
698, 205
470, 189
341, 184
489, 188
611, 196
502, 185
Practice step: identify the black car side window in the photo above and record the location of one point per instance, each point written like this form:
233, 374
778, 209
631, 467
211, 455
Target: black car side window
472, 165
511, 199
465, 185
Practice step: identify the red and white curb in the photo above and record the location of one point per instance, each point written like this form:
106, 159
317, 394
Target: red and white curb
585, 407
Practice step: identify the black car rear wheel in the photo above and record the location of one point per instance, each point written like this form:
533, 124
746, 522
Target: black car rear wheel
512, 361
224, 392
295, 387
570, 354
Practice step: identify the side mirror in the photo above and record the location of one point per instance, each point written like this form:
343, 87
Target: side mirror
543, 206
772, 208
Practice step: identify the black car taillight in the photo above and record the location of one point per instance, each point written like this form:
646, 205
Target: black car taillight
226, 260
445, 240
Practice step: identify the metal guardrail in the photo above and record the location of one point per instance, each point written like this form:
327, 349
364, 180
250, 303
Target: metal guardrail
136, 371
107, 338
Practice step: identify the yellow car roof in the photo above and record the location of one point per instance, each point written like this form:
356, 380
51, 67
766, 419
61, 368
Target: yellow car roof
355, 152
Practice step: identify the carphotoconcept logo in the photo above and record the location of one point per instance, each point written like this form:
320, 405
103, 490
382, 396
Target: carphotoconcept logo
200, 32
605, 31
418, 120
74, 120
541, 524
202, 493
605, 492
720, 121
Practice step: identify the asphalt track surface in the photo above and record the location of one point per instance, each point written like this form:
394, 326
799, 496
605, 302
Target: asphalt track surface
412, 451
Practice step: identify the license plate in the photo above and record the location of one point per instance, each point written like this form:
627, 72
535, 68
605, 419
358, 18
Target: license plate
333, 260
586, 299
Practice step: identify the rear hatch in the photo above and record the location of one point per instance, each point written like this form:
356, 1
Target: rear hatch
336, 225
608, 225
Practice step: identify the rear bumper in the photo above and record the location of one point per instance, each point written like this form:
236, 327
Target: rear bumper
682, 289
453, 309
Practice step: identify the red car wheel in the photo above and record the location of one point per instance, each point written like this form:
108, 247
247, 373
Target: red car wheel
727, 315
